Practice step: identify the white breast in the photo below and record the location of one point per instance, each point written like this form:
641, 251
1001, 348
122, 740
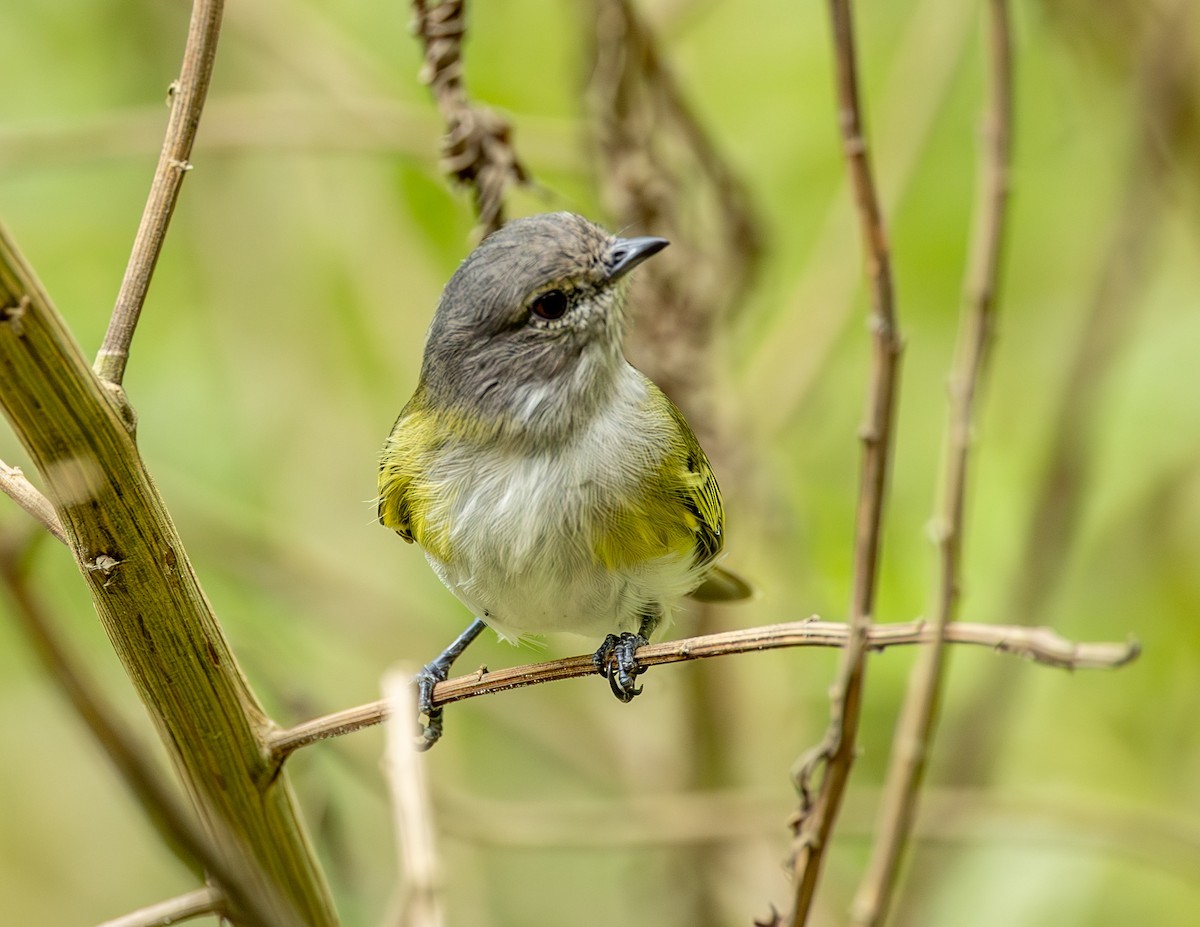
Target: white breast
524, 527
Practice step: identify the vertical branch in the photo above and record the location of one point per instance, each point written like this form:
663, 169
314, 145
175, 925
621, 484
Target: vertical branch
173, 823
1165, 146
150, 602
814, 821
187, 96
477, 149
918, 717
419, 878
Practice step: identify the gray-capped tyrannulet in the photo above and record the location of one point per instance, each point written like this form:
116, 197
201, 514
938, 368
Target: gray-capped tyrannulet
552, 485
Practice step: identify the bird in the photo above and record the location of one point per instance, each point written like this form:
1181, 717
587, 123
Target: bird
551, 485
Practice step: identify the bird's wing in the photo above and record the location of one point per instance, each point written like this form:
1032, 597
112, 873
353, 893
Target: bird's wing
398, 468
706, 518
702, 501
692, 478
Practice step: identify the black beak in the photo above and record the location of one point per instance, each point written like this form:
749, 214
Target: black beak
628, 253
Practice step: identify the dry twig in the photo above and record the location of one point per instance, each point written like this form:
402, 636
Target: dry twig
477, 149
834, 756
918, 717
15, 485
421, 904
187, 96
1041, 645
202, 901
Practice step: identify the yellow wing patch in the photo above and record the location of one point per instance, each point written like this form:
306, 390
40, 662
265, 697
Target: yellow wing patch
676, 509
398, 467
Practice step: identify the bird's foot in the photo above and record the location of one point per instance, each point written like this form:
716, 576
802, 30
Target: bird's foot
434, 672
429, 676
615, 661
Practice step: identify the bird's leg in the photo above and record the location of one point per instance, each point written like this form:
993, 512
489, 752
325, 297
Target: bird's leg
434, 672
615, 659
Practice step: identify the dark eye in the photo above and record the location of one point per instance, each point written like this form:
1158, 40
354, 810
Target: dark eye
550, 305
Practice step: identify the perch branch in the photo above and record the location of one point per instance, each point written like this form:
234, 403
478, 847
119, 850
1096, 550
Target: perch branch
1041, 645
918, 717
202, 901
17, 487
187, 95
477, 149
817, 813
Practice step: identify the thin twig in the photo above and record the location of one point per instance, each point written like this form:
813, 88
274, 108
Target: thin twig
15, 485
477, 149
177, 827
1162, 120
815, 818
176, 910
1041, 645
794, 350
187, 101
918, 717
412, 810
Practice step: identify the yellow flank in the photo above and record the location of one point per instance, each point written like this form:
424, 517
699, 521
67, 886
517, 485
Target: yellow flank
406, 495
676, 509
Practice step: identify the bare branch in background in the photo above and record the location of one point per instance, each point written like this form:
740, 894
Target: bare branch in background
187, 96
201, 902
1040, 645
477, 149
918, 717
15, 485
834, 756
1166, 144
661, 173
420, 904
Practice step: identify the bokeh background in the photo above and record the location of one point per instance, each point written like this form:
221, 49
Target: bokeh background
284, 331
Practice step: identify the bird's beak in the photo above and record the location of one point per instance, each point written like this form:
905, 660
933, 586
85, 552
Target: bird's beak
628, 253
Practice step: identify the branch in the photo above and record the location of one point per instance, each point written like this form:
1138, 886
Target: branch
1041, 645
1160, 153
815, 818
173, 911
918, 717
17, 487
149, 600
187, 100
421, 904
477, 149
176, 826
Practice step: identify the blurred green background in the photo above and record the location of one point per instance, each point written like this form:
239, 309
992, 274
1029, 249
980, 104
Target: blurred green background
284, 330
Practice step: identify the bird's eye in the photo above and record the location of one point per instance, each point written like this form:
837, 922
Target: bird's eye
550, 305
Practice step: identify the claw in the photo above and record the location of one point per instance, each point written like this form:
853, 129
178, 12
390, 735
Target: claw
429, 676
615, 661
433, 673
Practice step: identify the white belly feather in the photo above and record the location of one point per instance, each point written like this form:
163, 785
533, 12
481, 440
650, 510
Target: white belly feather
524, 530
